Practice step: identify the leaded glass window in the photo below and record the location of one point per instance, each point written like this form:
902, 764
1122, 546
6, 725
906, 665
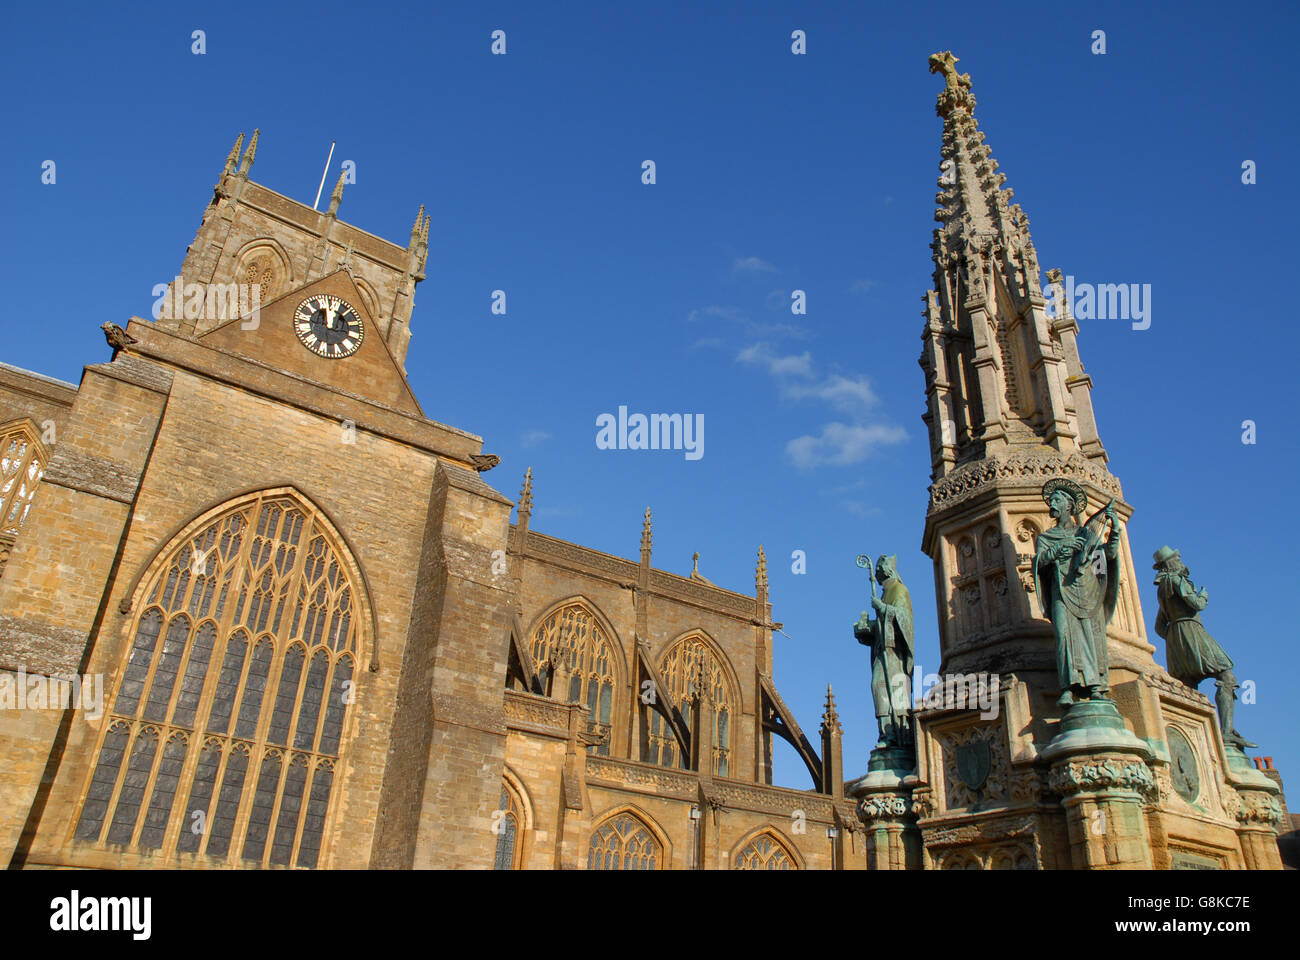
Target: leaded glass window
624, 842
765, 852
231, 708
575, 633
691, 667
507, 825
22, 464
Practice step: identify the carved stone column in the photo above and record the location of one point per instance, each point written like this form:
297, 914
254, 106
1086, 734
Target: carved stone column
1258, 811
1100, 771
888, 817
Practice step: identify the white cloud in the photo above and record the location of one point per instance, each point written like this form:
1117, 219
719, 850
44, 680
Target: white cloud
760, 354
532, 438
861, 286
752, 265
850, 395
749, 327
842, 444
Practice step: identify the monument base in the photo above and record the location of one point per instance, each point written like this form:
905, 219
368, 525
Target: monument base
886, 810
1094, 726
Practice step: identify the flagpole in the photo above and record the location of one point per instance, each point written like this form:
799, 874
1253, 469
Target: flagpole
325, 173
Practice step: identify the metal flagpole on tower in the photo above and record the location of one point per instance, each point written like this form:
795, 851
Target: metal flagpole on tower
324, 174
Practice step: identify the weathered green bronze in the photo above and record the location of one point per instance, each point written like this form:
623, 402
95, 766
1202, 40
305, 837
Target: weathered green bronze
1191, 652
1076, 579
893, 651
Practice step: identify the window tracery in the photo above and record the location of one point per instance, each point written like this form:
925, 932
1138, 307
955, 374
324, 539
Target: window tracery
229, 715
688, 669
574, 633
22, 464
508, 827
765, 852
624, 842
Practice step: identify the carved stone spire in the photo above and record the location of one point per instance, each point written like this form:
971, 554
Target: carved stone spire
417, 229
830, 718
336, 197
1008, 405
1001, 373
422, 248
249, 155
526, 495
646, 537
832, 749
233, 158
760, 572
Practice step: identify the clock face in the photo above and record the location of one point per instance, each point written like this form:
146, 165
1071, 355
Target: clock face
1183, 767
329, 326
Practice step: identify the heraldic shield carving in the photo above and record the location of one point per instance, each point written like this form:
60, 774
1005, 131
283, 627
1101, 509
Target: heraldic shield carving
973, 762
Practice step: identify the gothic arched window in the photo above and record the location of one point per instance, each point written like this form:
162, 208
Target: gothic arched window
574, 632
624, 842
688, 669
230, 709
765, 852
508, 825
22, 463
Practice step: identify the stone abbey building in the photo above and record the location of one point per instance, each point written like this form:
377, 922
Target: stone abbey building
302, 671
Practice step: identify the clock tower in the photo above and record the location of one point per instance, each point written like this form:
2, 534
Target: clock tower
252, 237
283, 571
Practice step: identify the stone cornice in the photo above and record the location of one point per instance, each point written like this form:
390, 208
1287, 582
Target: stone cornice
37, 385
192, 356
1028, 470
136, 371
623, 572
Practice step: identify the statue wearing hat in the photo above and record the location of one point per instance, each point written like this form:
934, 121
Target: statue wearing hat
893, 647
1076, 579
1191, 652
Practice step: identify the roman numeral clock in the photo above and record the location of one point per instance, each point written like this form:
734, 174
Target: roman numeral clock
329, 326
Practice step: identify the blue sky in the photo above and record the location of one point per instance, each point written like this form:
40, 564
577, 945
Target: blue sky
774, 172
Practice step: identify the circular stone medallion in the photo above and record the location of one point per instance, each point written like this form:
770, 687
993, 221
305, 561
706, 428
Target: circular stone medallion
1182, 763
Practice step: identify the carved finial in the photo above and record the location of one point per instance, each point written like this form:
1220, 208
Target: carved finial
956, 93
418, 227
645, 533
526, 494
337, 196
760, 575
830, 717
250, 154
233, 158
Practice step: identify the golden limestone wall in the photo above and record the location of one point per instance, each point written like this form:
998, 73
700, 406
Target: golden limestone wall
570, 793
565, 805
206, 443
554, 572
51, 594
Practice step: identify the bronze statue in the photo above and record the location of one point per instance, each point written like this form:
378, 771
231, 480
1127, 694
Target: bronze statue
893, 652
1191, 652
1078, 599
